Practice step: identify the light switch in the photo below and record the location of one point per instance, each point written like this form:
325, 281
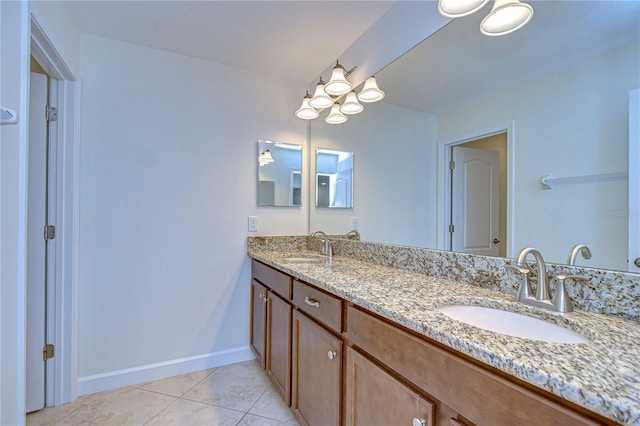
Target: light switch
355, 223
253, 224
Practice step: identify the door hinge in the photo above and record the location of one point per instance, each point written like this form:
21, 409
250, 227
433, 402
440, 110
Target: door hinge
52, 113
451, 228
49, 232
452, 165
48, 352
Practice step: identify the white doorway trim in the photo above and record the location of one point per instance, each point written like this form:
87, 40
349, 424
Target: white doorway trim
444, 182
63, 207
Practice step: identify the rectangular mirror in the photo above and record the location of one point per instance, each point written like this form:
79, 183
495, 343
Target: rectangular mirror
279, 174
334, 178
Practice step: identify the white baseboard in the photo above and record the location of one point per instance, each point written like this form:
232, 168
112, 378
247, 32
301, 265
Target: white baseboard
146, 373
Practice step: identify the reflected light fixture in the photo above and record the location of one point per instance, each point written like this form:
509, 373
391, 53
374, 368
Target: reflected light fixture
266, 158
306, 112
351, 104
338, 84
506, 17
320, 99
459, 8
335, 116
370, 92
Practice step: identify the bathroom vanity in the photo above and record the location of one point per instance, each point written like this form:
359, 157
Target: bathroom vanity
349, 342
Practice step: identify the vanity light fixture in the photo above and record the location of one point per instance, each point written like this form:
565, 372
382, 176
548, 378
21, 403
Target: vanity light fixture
338, 84
351, 104
506, 17
306, 111
320, 99
459, 8
335, 116
370, 92
266, 158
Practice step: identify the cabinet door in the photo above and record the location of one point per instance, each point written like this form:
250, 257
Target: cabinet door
374, 397
279, 344
258, 320
317, 373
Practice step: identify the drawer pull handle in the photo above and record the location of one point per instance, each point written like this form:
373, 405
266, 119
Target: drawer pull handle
419, 422
332, 354
311, 302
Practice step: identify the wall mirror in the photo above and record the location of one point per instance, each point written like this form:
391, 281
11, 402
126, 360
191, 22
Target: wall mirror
557, 88
279, 174
334, 178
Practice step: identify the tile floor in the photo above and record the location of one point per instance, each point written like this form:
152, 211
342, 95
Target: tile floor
237, 394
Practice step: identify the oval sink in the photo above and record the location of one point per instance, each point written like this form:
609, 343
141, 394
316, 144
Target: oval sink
512, 324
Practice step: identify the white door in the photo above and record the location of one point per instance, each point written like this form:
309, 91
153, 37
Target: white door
36, 245
634, 181
475, 201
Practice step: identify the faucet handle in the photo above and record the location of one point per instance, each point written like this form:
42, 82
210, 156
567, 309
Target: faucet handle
518, 268
561, 300
524, 291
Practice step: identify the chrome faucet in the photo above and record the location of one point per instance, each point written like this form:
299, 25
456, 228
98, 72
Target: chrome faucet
542, 289
353, 235
573, 253
325, 248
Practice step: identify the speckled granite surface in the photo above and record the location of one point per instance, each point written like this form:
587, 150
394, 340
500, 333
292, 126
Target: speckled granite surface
602, 375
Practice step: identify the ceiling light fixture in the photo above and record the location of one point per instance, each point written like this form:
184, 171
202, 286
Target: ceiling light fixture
370, 92
335, 116
506, 17
320, 99
338, 84
306, 112
459, 8
351, 104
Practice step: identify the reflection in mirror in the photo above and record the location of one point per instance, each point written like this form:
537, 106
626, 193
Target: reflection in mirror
334, 178
279, 174
560, 89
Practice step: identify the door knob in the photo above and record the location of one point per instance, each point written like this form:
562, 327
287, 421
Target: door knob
496, 241
637, 262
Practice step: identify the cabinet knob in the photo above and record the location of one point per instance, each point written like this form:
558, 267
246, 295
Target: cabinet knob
332, 354
419, 422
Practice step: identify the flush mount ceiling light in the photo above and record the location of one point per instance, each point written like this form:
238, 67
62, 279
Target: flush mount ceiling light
335, 116
306, 112
351, 104
338, 84
459, 8
506, 17
320, 99
370, 92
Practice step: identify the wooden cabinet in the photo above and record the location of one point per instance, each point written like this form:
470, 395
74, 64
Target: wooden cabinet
258, 333
316, 389
375, 398
278, 354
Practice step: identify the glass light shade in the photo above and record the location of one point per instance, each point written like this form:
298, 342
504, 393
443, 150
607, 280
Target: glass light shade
335, 116
370, 92
459, 8
506, 17
338, 84
306, 112
320, 98
267, 158
351, 104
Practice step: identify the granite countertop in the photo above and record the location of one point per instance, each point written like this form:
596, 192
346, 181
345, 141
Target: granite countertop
603, 375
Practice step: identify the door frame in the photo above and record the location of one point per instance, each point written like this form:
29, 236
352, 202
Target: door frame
443, 182
62, 269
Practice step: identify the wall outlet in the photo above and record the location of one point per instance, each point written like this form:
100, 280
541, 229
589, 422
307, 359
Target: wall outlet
355, 223
253, 224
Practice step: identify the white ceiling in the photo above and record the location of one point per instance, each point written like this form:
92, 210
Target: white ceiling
290, 39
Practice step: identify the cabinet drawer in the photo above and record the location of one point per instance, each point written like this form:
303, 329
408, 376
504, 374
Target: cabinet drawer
319, 305
483, 397
277, 281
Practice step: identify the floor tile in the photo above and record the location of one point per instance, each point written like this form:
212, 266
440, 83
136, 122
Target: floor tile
177, 385
272, 405
253, 420
235, 386
125, 406
48, 416
184, 412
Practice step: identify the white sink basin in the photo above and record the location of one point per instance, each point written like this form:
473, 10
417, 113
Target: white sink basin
512, 324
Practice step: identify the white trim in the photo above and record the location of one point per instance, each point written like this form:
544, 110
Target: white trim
634, 180
131, 376
65, 136
443, 182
